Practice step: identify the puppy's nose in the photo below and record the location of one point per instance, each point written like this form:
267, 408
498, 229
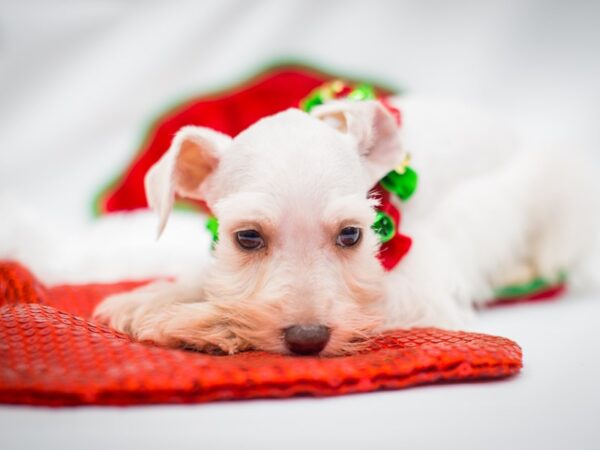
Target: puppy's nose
306, 339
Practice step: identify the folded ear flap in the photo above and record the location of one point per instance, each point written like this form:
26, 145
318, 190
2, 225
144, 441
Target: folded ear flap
372, 126
184, 169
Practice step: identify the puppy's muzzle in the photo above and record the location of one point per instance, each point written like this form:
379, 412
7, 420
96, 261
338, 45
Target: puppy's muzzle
306, 339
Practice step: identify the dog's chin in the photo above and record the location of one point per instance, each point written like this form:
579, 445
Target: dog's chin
337, 346
350, 340
342, 341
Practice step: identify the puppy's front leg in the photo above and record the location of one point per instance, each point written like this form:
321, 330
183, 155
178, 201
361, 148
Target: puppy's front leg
170, 314
428, 287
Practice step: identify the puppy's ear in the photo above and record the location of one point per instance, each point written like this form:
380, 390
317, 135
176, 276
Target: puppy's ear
372, 126
184, 169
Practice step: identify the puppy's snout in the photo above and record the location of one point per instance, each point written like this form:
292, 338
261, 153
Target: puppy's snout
306, 339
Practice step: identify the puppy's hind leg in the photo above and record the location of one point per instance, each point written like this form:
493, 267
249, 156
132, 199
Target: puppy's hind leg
477, 232
564, 211
553, 201
484, 228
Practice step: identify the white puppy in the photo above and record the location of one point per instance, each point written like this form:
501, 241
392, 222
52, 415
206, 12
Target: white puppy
296, 269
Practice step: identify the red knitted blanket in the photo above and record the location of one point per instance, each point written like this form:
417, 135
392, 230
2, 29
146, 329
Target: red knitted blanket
51, 353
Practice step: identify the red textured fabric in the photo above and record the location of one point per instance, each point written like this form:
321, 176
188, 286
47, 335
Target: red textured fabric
52, 354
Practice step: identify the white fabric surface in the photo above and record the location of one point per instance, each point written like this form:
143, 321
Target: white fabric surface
79, 81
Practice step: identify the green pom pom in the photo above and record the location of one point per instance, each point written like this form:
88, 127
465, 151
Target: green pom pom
363, 92
401, 184
384, 226
212, 225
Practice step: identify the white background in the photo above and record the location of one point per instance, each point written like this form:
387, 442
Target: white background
80, 80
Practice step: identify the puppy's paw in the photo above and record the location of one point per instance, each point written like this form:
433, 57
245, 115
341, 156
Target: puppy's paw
198, 326
123, 311
158, 314
118, 311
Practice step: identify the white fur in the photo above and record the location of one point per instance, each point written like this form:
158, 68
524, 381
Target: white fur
485, 212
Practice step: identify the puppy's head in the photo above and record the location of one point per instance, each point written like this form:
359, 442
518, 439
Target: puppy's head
295, 267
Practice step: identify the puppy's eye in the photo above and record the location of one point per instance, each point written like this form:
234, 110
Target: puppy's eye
249, 239
348, 237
